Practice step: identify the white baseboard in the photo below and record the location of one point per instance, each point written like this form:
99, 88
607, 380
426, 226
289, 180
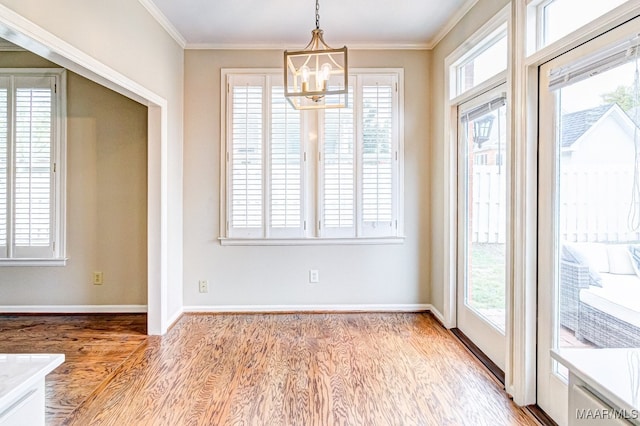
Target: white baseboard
72, 309
436, 313
173, 319
307, 308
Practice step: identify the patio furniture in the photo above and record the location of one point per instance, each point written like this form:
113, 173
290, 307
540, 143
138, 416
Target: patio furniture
600, 294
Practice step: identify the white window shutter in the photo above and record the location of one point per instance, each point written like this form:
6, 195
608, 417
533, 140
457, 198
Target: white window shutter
246, 160
338, 171
33, 196
379, 155
4, 161
352, 185
286, 169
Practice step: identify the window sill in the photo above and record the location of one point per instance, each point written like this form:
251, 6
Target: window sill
34, 262
309, 241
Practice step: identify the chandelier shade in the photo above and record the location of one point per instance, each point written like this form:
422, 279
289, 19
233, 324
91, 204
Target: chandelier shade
316, 77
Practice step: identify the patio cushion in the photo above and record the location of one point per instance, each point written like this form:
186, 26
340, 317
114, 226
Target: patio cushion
634, 253
619, 260
595, 254
572, 253
619, 297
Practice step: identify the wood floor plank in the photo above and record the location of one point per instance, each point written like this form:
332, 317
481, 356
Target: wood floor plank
311, 369
94, 347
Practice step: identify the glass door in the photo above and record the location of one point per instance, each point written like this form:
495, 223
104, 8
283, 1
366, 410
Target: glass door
482, 222
589, 205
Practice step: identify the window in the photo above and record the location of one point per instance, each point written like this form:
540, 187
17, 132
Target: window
485, 60
555, 19
31, 147
311, 175
477, 249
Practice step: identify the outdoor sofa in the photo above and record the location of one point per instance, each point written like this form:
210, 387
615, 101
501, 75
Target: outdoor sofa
600, 293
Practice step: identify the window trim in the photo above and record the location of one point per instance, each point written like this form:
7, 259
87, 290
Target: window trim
59, 158
450, 118
311, 173
477, 43
487, 42
535, 52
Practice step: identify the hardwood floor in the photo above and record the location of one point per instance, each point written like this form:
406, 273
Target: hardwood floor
299, 369
94, 347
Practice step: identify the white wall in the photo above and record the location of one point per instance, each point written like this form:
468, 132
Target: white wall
106, 202
122, 35
249, 276
482, 12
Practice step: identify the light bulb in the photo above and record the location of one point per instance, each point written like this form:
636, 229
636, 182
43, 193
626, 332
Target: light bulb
326, 71
305, 71
322, 76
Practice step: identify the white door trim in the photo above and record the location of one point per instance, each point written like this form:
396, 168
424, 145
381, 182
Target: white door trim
25, 33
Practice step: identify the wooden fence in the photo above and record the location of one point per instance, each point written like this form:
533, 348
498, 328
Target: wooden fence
595, 204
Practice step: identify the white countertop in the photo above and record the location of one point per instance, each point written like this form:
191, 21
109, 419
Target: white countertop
607, 371
20, 372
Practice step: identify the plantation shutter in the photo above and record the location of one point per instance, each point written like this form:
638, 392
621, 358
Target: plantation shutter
33, 166
338, 171
4, 162
352, 187
245, 156
379, 155
286, 167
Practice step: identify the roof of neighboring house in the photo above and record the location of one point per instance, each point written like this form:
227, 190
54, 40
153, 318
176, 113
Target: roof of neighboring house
576, 124
634, 114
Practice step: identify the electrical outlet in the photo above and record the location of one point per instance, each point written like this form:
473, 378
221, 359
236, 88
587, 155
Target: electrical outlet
97, 278
203, 286
314, 276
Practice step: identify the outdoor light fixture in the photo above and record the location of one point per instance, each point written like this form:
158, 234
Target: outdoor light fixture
316, 77
482, 130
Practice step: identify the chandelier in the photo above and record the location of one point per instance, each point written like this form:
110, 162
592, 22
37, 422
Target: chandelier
316, 77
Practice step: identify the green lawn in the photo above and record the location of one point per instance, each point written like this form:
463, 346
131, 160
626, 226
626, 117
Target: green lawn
487, 276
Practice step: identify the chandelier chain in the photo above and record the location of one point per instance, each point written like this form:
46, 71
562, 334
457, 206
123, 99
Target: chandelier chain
317, 15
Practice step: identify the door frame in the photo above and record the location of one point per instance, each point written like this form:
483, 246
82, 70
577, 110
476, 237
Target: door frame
552, 392
520, 374
483, 326
22, 32
521, 380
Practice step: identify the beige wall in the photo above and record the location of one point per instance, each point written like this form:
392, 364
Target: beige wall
122, 35
483, 11
106, 202
385, 274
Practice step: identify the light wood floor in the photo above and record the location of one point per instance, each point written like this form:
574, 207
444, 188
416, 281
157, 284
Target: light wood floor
94, 347
289, 369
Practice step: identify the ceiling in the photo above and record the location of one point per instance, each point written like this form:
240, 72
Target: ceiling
288, 23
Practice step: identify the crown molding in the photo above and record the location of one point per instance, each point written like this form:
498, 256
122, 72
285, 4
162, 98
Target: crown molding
280, 46
157, 14
451, 23
164, 22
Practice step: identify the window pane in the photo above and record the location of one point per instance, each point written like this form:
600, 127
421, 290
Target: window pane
33, 136
598, 211
286, 163
247, 164
561, 17
377, 154
488, 59
486, 207
338, 183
